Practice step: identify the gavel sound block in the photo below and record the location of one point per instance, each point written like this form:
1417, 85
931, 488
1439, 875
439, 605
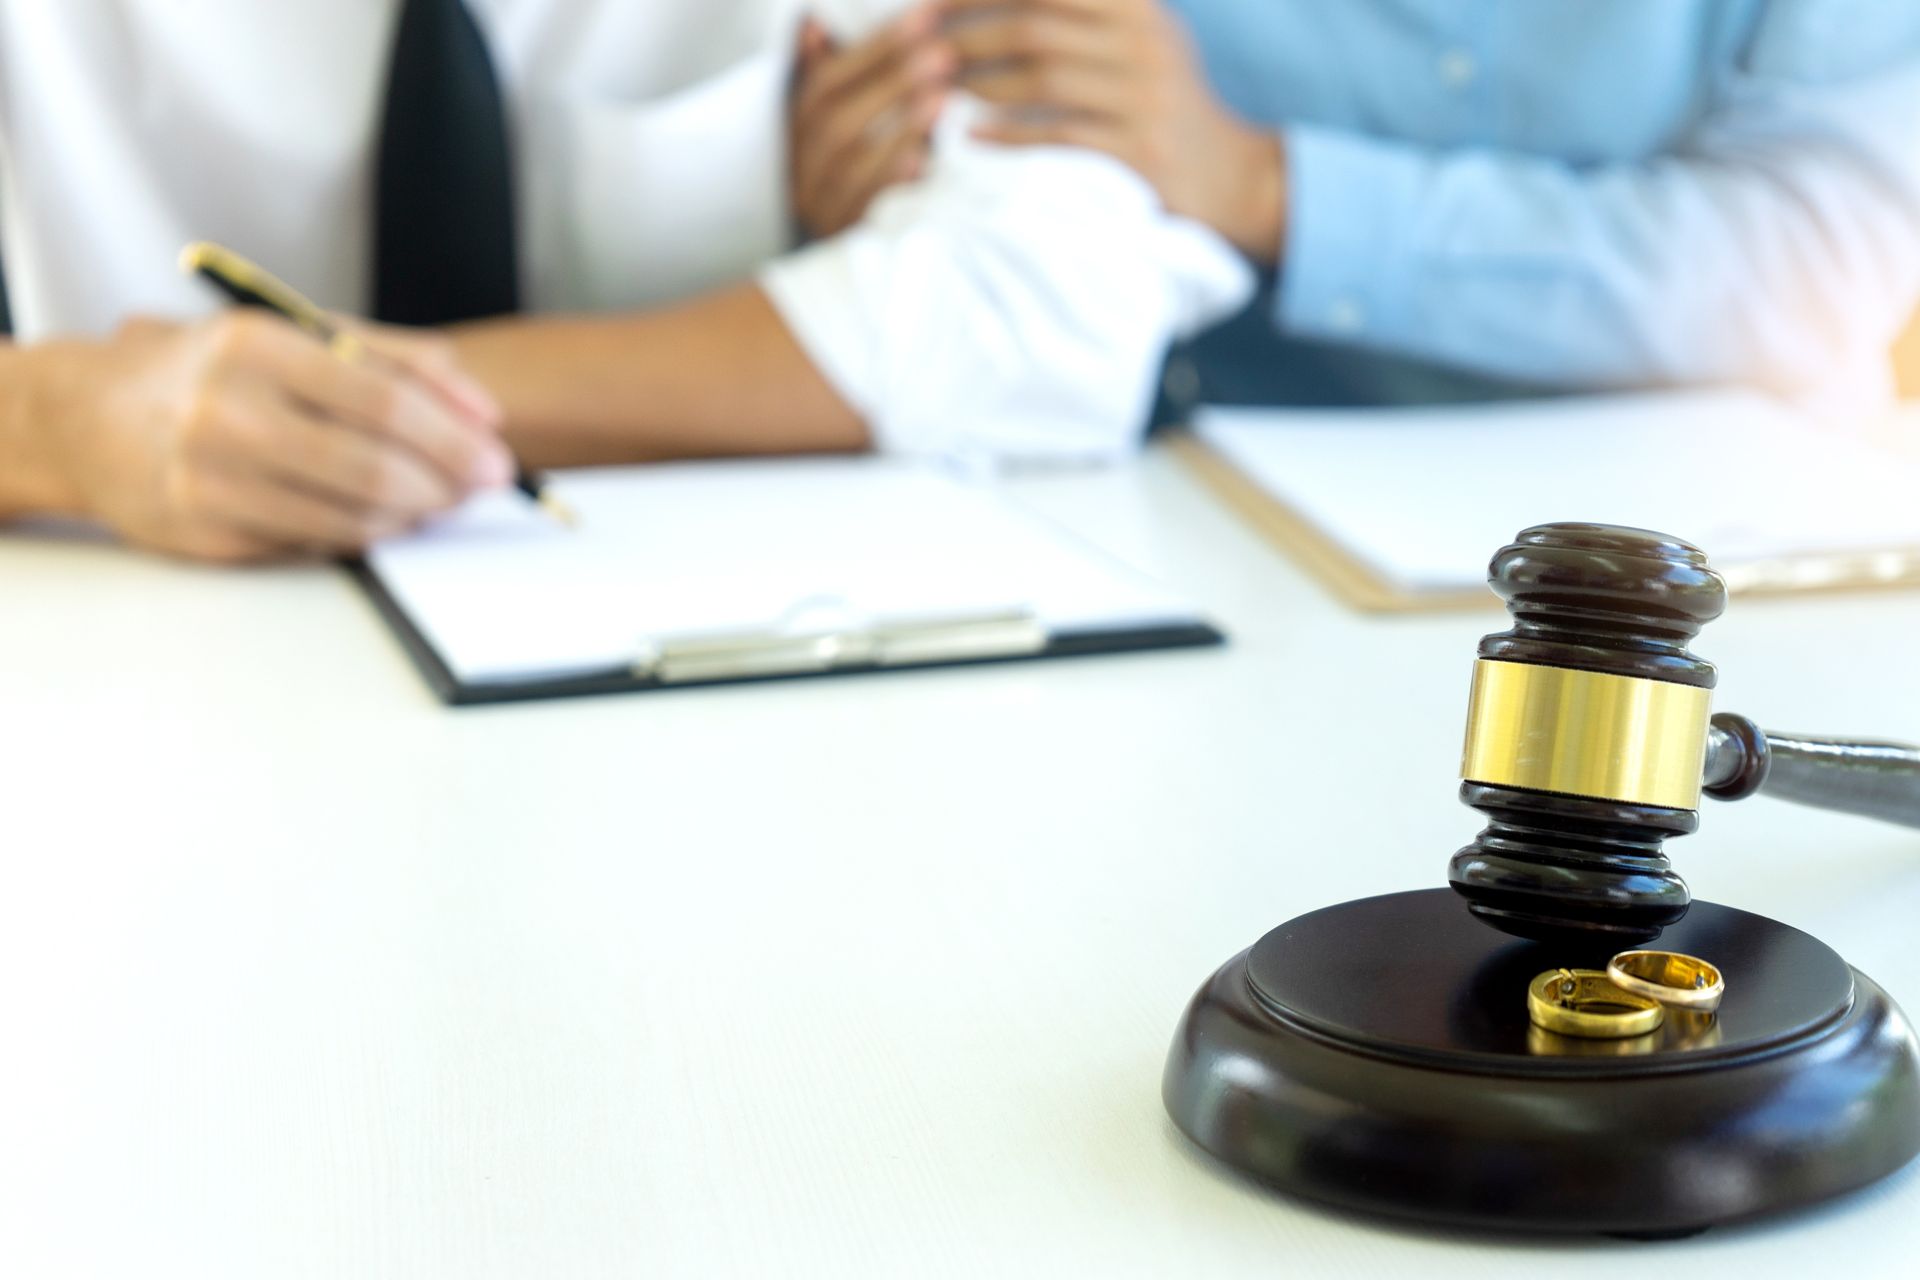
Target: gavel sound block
1378, 1054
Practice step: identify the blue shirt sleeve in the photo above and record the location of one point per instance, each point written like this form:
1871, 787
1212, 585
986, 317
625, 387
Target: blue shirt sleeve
1776, 243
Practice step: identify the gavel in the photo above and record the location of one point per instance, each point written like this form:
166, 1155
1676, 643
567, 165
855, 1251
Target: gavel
1591, 738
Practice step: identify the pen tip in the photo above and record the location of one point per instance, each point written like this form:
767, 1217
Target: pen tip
560, 511
194, 256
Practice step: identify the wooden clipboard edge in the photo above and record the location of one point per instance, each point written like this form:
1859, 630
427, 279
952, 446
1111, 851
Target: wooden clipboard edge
1905, 579
1349, 579
1356, 584
1194, 634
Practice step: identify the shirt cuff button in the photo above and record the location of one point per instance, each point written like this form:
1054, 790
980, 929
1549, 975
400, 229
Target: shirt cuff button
1458, 68
1346, 317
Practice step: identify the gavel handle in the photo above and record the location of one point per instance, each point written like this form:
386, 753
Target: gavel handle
1872, 779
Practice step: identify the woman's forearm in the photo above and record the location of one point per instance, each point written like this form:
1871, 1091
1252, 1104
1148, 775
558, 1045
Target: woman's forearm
716, 376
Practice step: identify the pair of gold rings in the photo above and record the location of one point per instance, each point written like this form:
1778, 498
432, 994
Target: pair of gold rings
1630, 997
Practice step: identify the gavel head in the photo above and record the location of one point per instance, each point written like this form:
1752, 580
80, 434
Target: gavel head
1586, 735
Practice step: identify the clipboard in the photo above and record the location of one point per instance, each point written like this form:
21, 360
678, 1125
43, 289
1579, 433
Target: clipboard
1775, 457
1343, 575
819, 633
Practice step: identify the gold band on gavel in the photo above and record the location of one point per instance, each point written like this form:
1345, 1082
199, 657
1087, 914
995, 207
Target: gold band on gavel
1586, 733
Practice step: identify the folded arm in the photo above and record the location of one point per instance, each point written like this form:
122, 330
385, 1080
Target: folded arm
1010, 303
1776, 245
1017, 315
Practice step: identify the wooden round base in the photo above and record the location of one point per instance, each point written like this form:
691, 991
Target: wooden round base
1378, 1055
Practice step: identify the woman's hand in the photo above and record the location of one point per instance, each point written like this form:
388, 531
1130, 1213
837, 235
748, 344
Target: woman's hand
1121, 76
863, 115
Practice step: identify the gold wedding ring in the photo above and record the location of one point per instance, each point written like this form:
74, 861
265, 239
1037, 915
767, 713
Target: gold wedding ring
1678, 981
1586, 1003
1546, 1044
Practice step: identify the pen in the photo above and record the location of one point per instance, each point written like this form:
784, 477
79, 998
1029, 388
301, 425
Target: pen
251, 286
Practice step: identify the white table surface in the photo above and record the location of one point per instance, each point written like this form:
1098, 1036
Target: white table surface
303, 975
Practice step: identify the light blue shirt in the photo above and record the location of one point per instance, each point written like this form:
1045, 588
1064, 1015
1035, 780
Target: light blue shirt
1490, 196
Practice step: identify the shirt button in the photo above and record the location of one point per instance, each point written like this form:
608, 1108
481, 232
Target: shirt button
1346, 316
1458, 68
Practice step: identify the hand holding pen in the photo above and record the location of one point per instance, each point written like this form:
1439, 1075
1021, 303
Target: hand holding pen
421, 359
240, 438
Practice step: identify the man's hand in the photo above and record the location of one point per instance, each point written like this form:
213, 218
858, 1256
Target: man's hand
241, 438
863, 115
1121, 76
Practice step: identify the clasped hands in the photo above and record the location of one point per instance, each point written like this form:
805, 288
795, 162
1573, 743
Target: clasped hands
1116, 76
